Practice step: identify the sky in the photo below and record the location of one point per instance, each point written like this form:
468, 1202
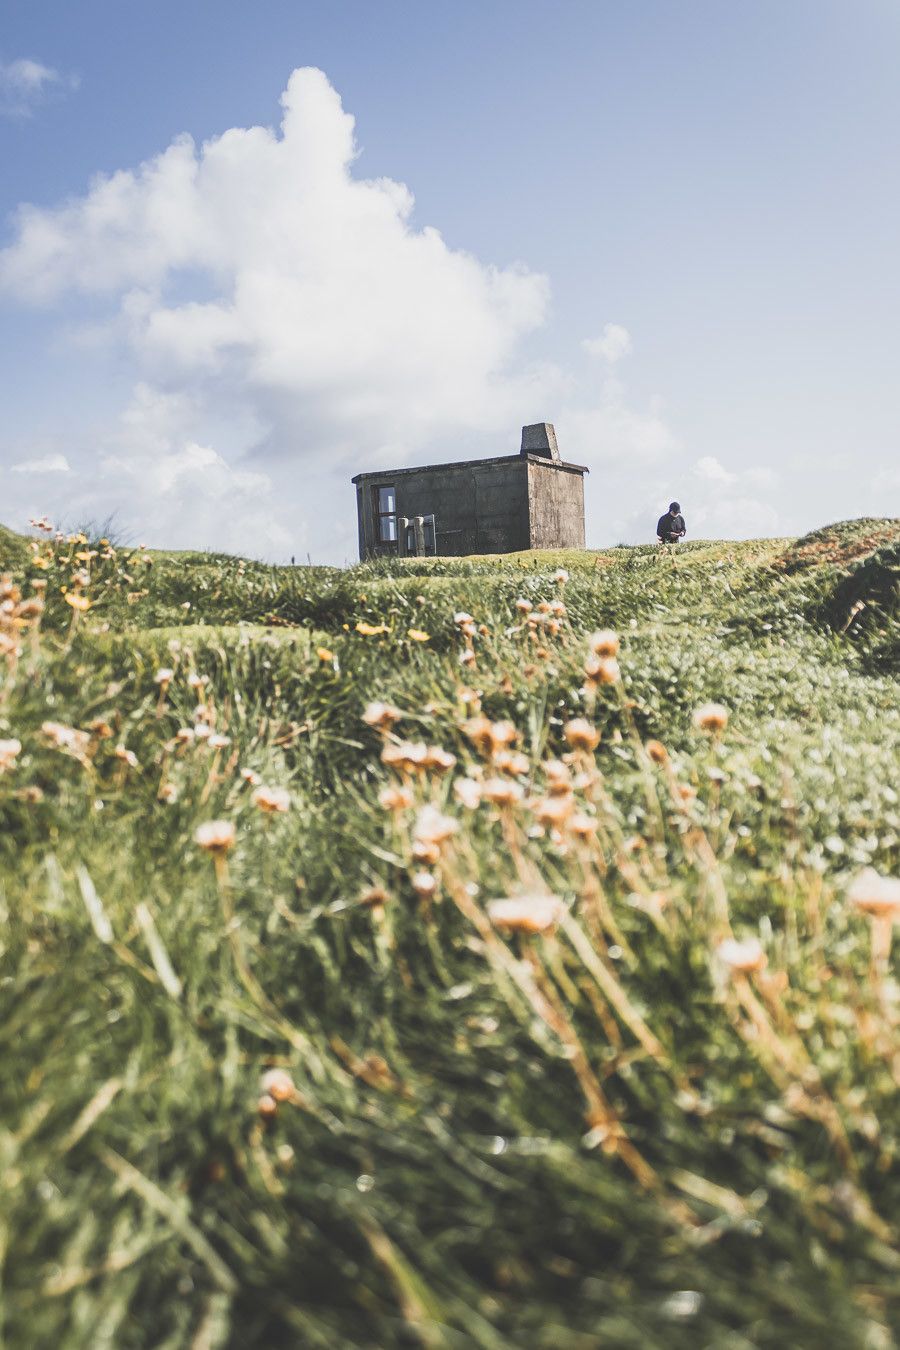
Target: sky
249, 251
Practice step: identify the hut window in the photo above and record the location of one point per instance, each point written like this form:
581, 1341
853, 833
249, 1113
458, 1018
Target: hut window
386, 515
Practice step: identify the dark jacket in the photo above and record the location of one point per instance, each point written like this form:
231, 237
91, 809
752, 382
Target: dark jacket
670, 527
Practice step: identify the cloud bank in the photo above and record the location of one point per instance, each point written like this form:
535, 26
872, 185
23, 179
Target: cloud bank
287, 324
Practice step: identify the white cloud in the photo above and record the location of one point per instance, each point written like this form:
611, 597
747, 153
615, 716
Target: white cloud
43, 464
708, 467
612, 344
289, 324
25, 83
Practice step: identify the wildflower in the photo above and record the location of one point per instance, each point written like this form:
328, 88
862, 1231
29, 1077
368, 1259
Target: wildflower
468, 791
582, 825
553, 811
273, 800
602, 669
9, 749
560, 576
558, 609
126, 756
432, 827
604, 643
467, 658
406, 756
525, 913
439, 760
501, 791
216, 741
324, 654
581, 734
278, 1084
381, 716
488, 736
741, 957
462, 619
266, 1106
376, 897
395, 799
512, 762
168, 793
711, 717
216, 836
251, 776
559, 778
371, 629
196, 681
31, 608
164, 676
185, 735
523, 605
418, 635
66, 738
657, 752
424, 884
875, 895
78, 602
100, 729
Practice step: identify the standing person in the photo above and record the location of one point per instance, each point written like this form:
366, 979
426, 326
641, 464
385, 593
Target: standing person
671, 527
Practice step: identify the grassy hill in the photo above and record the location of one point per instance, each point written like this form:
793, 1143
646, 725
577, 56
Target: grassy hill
298, 1080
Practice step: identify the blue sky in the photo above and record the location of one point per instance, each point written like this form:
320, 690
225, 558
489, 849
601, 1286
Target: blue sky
209, 348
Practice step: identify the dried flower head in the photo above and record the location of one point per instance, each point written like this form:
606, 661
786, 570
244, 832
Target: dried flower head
523, 606
488, 737
216, 836
559, 777
525, 913
167, 793
741, 957
433, 827
560, 576
657, 752
554, 810
127, 756
424, 884
273, 800
582, 825
512, 762
468, 791
604, 643
462, 619
381, 716
581, 734
602, 670
438, 760
9, 749
875, 894
395, 799
279, 1084
216, 741
164, 675
711, 717
406, 756
501, 791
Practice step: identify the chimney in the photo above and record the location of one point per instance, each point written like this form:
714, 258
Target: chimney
540, 439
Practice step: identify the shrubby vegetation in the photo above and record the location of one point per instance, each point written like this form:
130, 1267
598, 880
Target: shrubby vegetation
491, 952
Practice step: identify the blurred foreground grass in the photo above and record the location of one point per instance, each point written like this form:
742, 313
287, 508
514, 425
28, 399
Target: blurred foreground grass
651, 1102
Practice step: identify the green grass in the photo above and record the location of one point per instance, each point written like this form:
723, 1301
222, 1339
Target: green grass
591, 1138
